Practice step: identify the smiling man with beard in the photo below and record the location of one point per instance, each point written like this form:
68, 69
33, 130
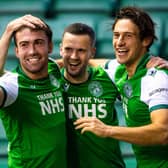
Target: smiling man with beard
88, 92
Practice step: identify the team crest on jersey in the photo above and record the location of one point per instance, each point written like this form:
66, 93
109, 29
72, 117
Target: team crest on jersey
54, 81
128, 90
95, 88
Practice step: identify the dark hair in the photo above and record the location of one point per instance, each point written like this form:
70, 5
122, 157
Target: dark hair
81, 29
45, 28
141, 19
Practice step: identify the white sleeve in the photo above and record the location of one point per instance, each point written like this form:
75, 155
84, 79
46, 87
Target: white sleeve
111, 67
9, 82
154, 89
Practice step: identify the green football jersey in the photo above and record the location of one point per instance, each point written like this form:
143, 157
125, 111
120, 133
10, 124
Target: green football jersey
96, 98
33, 116
146, 91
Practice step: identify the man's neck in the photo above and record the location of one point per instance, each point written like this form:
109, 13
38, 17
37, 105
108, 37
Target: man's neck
77, 79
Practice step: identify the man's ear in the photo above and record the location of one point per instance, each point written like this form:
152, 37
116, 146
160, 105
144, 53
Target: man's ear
60, 49
93, 52
147, 41
16, 52
50, 47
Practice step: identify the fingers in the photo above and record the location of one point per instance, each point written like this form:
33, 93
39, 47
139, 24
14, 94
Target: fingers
85, 124
82, 125
157, 62
26, 20
32, 20
162, 63
84, 120
90, 124
153, 62
163, 66
86, 129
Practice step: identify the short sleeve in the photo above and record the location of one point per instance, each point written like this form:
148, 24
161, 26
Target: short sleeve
9, 82
154, 89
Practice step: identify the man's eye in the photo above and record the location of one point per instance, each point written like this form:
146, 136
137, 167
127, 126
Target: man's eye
128, 35
23, 44
40, 42
68, 49
115, 35
81, 50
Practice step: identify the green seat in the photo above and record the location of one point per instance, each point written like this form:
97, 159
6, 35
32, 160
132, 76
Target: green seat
148, 5
165, 41
156, 46
100, 7
104, 39
10, 7
2, 131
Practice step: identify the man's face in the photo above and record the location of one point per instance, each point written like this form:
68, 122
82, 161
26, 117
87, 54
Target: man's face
32, 50
128, 46
76, 51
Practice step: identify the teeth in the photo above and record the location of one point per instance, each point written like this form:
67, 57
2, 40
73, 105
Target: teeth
34, 59
122, 50
73, 63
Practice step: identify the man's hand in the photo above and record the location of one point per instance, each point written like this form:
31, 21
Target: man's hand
26, 20
157, 62
91, 124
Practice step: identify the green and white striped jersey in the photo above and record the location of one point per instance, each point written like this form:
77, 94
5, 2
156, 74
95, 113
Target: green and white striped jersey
146, 91
34, 119
96, 98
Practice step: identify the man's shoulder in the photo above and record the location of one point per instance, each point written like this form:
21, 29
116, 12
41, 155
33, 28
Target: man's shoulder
111, 64
156, 72
8, 74
156, 78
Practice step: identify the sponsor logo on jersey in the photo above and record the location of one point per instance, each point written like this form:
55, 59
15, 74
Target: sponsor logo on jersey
159, 90
152, 72
95, 88
128, 90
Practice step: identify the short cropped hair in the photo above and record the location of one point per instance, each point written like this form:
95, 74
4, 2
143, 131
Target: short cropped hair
81, 29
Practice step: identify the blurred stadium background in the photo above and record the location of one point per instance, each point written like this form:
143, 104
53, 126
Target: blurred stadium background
97, 13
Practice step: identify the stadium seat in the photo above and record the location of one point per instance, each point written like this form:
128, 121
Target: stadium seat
98, 8
104, 39
3, 141
165, 41
10, 7
148, 5
156, 46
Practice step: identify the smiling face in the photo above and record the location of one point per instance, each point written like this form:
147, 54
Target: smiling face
76, 51
129, 48
32, 49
